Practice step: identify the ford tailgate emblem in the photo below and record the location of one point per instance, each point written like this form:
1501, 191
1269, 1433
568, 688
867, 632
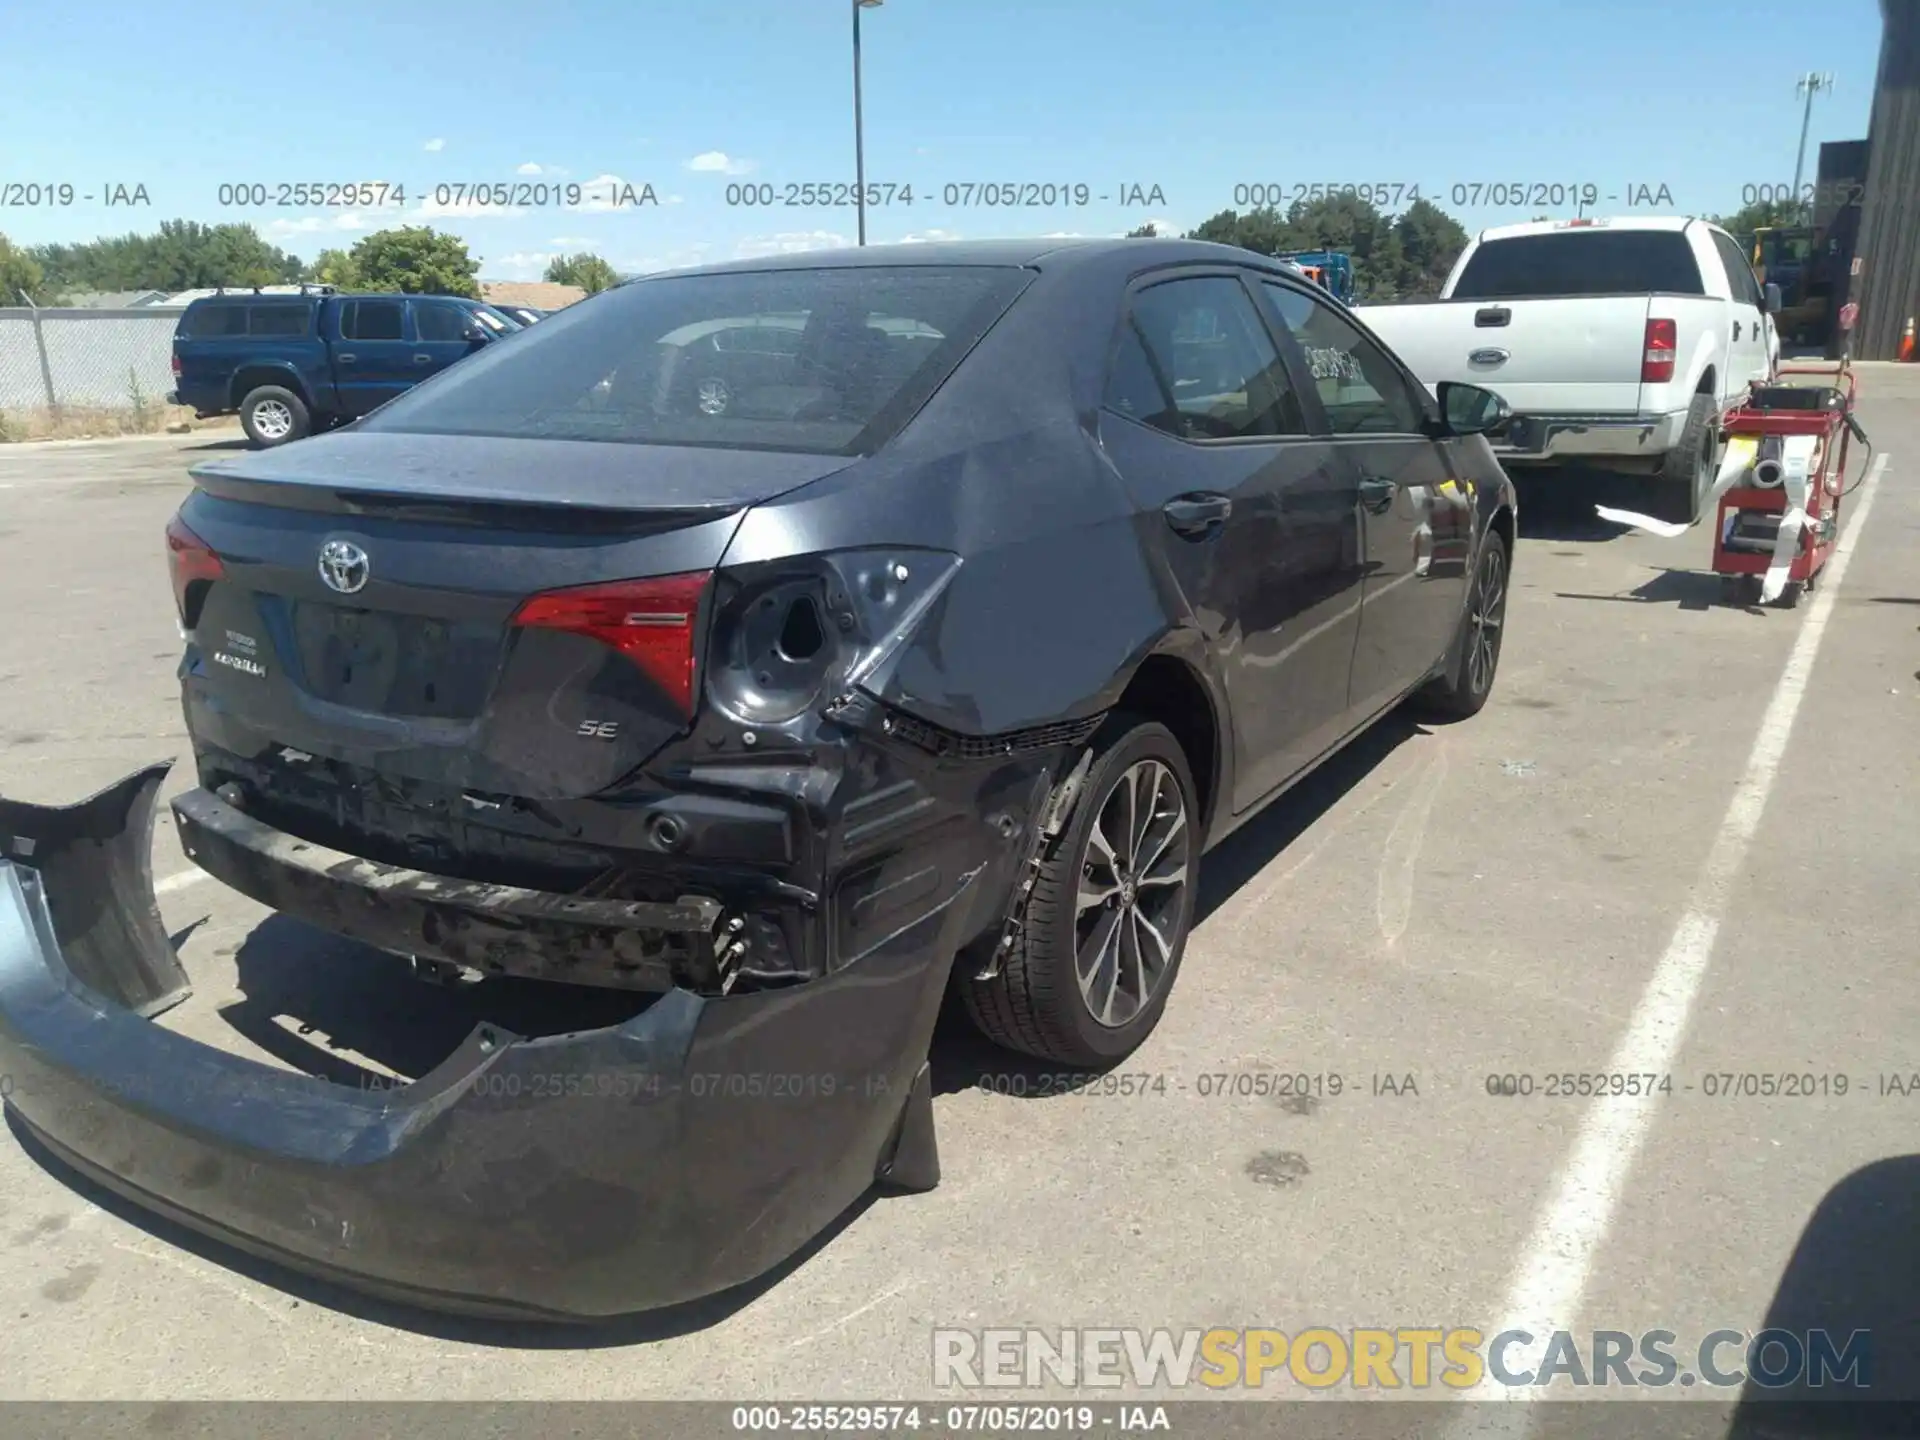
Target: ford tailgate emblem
344, 566
1488, 357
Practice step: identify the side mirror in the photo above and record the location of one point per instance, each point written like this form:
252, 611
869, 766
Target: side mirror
1773, 298
475, 333
1470, 410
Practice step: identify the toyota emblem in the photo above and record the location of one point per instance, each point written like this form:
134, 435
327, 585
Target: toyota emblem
344, 566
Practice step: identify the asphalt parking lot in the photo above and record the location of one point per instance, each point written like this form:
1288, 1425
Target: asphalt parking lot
1617, 860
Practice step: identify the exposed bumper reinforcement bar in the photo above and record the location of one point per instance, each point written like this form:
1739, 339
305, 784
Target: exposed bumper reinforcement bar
688, 1150
496, 929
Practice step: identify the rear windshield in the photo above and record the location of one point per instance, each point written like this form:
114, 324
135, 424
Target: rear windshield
826, 361
1581, 262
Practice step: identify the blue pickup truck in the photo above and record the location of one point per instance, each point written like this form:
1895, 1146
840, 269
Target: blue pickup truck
293, 364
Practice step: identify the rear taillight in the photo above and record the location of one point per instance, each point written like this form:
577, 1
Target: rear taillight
651, 622
191, 560
1663, 341
175, 364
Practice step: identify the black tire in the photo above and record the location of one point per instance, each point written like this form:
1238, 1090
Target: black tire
264, 411
1036, 1004
1462, 689
1686, 472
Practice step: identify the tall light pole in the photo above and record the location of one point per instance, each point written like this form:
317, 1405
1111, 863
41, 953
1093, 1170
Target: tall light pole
1810, 85
859, 140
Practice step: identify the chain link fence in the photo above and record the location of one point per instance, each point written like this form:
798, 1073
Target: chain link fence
115, 364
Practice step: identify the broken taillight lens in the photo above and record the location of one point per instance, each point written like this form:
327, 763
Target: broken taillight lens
652, 622
192, 561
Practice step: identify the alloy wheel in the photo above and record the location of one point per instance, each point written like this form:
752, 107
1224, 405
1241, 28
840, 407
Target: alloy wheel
1488, 613
273, 420
713, 397
1131, 901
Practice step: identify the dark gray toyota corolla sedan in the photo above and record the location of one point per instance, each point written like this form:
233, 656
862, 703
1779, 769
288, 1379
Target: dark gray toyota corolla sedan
757, 640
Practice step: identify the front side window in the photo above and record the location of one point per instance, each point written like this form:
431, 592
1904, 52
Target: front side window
439, 322
823, 361
1361, 390
1203, 352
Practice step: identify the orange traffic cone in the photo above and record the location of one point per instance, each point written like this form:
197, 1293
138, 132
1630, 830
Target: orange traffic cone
1906, 343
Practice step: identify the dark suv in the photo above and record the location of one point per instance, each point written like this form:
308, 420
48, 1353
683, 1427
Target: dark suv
775, 644
292, 364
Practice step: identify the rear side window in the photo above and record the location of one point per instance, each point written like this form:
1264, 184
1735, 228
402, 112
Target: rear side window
1212, 361
372, 320
1746, 289
824, 361
277, 320
1581, 262
202, 322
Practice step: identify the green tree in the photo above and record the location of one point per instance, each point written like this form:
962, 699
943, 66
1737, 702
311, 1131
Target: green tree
417, 260
1145, 232
335, 267
1743, 222
588, 271
1430, 241
181, 255
20, 274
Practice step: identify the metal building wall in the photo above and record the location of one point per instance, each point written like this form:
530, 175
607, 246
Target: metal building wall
1889, 249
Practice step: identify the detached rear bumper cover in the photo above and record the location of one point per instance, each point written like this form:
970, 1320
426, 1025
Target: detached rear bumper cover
688, 1150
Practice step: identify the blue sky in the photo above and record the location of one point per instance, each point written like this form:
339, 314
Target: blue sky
1195, 97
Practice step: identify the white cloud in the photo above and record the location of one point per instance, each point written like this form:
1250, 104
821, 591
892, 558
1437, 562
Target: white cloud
310, 224
790, 242
1160, 226
718, 162
674, 200
573, 242
435, 145
928, 237
528, 169
680, 259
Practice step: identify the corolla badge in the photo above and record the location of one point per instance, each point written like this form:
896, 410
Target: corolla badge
1489, 357
344, 566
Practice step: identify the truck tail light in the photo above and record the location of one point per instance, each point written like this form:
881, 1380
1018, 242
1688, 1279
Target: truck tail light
192, 562
653, 622
174, 364
1663, 341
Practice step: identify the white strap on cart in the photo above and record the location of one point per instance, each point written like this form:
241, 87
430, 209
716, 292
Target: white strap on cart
1741, 452
1796, 478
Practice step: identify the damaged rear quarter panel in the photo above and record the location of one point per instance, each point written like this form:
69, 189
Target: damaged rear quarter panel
1057, 595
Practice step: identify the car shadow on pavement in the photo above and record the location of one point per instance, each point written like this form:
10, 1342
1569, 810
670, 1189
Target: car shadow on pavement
1558, 504
238, 444
962, 1058
1856, 1269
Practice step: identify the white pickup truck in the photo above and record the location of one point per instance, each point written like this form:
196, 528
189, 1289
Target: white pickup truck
1618, 343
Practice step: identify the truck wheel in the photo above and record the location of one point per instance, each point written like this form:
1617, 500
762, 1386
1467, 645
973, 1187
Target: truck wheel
1106, 925
1462, 690
1686, 471
272, 415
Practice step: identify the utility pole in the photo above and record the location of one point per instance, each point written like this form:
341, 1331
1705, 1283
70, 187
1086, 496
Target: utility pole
1810, 85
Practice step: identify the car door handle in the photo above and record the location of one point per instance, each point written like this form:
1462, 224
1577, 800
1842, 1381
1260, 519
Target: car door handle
1197, 516
423, 359
1377, 494
345, 359
1736, 329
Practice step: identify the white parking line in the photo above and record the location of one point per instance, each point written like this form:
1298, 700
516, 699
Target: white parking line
1551, 1279
178, 882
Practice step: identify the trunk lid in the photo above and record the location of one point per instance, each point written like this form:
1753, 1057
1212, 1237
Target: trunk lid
368, 588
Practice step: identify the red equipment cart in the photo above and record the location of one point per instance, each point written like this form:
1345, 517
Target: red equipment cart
1747, 528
